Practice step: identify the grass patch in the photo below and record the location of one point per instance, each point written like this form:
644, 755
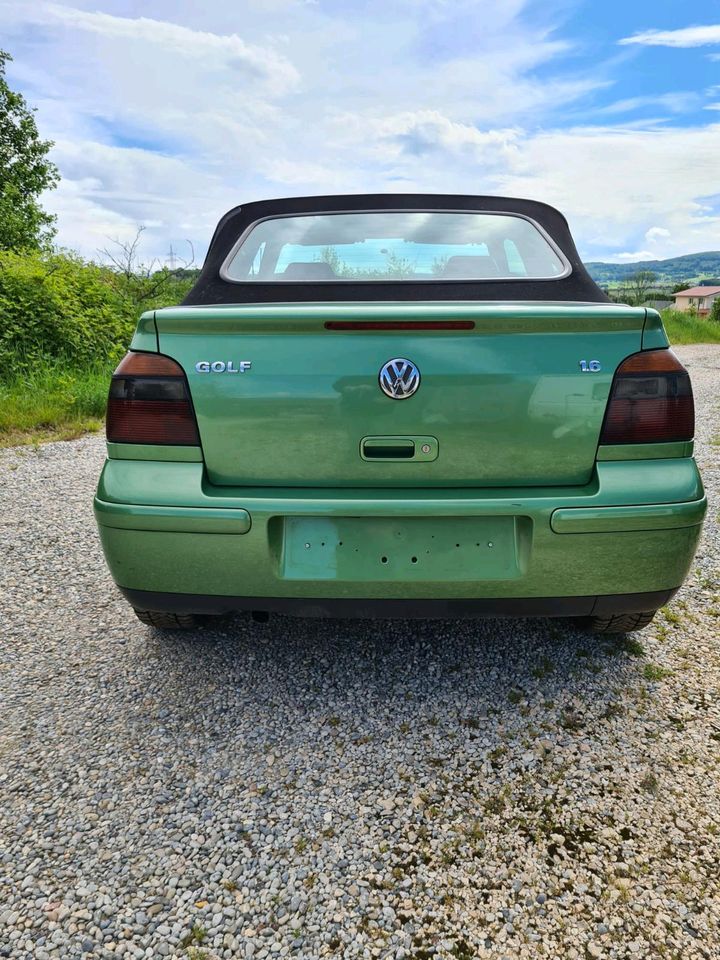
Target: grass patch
653, 671
687, 328
53, 402
629, 645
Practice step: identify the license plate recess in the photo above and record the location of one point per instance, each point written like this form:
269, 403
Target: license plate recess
406, 548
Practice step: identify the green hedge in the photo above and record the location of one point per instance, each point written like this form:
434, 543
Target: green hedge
59, 307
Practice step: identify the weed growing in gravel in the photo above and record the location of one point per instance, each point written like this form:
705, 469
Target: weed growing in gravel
197, 953
672, 616
543, 669
496, 803
475, 831
629, 645
653, 671
649, 783
301, 845
462, 951
197, 935
571, 720
497, 753
515, 696
613, 710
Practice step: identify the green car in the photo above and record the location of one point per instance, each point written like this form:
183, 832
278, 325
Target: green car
399, 405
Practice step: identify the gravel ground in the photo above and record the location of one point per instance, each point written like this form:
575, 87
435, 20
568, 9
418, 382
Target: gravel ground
344, 788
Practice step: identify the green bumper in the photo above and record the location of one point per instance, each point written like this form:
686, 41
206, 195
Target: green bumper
633, 529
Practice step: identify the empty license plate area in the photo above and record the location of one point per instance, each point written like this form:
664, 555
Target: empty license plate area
408, 548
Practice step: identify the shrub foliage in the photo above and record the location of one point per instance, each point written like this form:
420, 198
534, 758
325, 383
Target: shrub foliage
58, 307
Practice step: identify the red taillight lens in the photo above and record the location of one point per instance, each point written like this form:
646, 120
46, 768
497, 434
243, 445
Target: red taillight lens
650, 401
149, 403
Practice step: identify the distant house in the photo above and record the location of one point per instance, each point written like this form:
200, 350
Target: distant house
697, 298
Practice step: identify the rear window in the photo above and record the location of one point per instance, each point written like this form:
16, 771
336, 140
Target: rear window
395, 245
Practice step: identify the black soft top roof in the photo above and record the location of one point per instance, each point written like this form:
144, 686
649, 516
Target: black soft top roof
211, 288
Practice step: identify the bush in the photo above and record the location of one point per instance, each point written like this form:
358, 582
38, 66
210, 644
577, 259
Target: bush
57, 307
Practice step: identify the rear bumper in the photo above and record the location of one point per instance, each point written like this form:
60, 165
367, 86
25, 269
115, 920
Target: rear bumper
623, 543
401, 609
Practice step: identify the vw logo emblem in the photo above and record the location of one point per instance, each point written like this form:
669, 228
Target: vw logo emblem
399, 378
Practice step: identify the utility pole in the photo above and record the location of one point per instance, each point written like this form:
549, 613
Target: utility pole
171, 257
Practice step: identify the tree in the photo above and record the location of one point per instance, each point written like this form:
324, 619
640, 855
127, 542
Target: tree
638, 285
715, 310
25, 172
147, 284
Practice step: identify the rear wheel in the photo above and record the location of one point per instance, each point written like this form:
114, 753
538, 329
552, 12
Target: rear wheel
620, 622
163, 620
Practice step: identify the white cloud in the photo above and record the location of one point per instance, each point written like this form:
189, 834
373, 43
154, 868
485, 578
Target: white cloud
680, 102
171, 120
616, 184
685, 37
634, 255
179, 41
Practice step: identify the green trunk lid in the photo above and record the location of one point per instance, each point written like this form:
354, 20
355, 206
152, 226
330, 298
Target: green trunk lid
505, 403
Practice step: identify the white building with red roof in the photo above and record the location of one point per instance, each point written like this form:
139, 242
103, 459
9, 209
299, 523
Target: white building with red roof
700, 299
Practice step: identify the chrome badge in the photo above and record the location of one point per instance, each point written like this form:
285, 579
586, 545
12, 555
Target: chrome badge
221, 366
399, 378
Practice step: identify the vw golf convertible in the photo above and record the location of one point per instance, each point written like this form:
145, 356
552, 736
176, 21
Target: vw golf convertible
399, 405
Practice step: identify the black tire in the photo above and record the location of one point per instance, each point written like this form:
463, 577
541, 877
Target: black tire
162, 620
620, 622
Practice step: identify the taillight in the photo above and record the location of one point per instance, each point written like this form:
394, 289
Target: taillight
149, 402
650, 401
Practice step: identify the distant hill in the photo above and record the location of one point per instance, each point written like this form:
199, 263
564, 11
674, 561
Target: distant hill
691, 266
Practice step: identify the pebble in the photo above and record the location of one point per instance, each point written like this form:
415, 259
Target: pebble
162, 792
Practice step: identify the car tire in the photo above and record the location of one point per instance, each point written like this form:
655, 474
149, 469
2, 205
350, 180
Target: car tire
620, 622
163, 620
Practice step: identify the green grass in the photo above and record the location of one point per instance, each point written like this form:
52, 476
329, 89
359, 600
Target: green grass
54, 402
686, 328
653, 671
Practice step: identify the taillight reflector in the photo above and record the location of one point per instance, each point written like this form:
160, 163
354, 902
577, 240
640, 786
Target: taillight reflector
650, 401
149, 403
400, 325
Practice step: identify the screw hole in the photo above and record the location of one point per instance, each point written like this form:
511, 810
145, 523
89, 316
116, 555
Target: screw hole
383, 559
413, 559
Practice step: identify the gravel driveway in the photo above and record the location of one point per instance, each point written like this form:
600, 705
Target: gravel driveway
498, 789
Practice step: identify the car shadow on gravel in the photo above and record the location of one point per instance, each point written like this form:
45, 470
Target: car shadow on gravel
371, 667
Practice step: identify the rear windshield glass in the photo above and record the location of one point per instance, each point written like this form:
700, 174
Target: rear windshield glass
395, 245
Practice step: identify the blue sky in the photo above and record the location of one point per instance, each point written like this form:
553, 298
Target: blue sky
166, 114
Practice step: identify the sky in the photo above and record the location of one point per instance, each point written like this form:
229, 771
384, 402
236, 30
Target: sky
167, 114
